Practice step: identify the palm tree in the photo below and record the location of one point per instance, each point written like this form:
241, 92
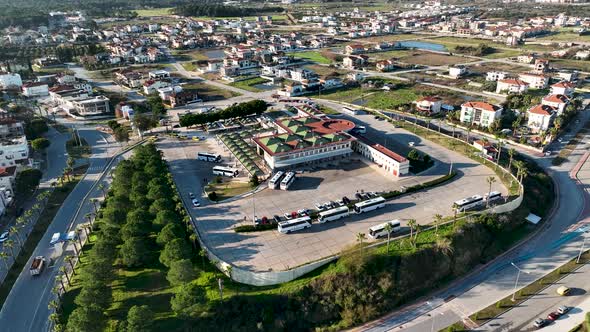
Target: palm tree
500, 145
61, 281
520, 169
103, 189
94, 200
73, 242
511, 153
412, 225
36, 207
438, 218
468, 132
360, 237
455, 208
69, 259
65, 273
53, 305
4, 256
418, 228
15, 230
57, 291
490, 180
389, 229
89, 218
10, 245
444, 245
203, 254
54, 318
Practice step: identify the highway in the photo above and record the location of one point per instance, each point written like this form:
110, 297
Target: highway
26, 308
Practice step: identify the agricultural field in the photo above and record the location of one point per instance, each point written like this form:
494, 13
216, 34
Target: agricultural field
209, 92
154, 12
501, 50
249, 84
582, 65
314, 56
326, 71
564, 36
433, 59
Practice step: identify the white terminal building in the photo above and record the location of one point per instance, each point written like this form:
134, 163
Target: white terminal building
307, 140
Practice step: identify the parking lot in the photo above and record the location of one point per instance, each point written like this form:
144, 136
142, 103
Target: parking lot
270, 250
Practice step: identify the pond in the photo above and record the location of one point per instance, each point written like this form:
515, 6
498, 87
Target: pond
215, 54
423, 45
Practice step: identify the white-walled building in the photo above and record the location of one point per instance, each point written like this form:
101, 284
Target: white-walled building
457, 71
88, 106
559, 102
35, 89
480, 113
429, 104
391, 162
511, 85
540, 117
10, 80
535, 81
563, 88
495, 75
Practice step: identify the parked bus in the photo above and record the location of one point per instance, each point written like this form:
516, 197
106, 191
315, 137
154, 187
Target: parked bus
379, 230
491, 197
276, 180
468, 203
225, 171
350, 110
288, 180
292, 225
369, 205
333, 214
206, 156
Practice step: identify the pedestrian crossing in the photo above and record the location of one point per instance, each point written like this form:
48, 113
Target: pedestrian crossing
96, 168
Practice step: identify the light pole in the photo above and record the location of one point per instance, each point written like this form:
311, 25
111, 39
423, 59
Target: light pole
516, 283
433, 315
582, 248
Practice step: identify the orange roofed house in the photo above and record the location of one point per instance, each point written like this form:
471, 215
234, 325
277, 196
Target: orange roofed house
480, 113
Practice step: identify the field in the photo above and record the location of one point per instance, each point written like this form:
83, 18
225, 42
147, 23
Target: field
188, 55
483, 68
434, 59
374, 98
314, 56
502, 51
566, 36
389, 38
249, 84
209, 92
326, 71
582, 65
225, 190
153, 12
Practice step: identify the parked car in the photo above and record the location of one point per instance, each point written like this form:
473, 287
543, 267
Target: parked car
319, 206
563, 290
303, 212
196, 202
340, 203
358, 196
328, 205
411, 143
277, 218
288, 216
191, 195
540, 323
563, 309
553, 316
346, 200
4, 236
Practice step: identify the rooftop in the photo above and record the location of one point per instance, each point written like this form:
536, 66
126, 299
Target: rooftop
481, 105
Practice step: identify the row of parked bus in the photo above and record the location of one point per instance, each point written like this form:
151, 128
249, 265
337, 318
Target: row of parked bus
340, 212
282, 180
217, 170
476, 201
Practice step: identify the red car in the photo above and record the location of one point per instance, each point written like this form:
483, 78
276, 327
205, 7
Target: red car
553, 316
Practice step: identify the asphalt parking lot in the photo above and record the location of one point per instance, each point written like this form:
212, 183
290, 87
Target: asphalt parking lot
270, 250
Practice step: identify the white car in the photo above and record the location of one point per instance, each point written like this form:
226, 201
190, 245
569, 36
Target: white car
302, 212
319, 206
196, 202
4, 236
411, 143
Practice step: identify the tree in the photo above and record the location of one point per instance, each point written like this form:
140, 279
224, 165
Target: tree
134, 252
88, 319
27, 180
203, 255
140, 319
412, 224
15, 230
36, 128
511, 153
170, 232
165, 217
444, 245
360, 237
143, 122
40, 144
188, 300
156, 104
438, 219
490, 180
174, 250
254, 181
4, 256
94, 293
180, 272
414, 155
389, 229
121, 134
10, 245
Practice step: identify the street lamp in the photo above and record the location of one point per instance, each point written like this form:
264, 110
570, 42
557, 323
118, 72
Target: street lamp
516, 283
582, 248
433, 316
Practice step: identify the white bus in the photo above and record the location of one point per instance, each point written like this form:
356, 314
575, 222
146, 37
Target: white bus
292, 225
225, 171
491, 197
350, 110
468, 203
276, 180
333, 214
369, 205
211, 157
288, 180
379, 230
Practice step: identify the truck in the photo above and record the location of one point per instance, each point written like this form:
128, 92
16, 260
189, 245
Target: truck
37, 265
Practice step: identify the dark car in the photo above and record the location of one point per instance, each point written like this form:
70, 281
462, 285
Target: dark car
277, 218
346, 200
358, 196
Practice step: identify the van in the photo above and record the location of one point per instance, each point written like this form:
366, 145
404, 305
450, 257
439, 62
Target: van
563, 291
361, 129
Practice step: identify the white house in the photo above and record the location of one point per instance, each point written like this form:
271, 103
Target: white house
540, 117
559, 102
10, 80
389, 161
563, 88
165, 92
535, 81
495, 75
152, 86
159, 74
457, 71
429, 104
480, 113
511, 85
35, 89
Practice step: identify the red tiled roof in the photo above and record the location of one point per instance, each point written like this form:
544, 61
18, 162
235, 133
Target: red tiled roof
542, 109
563, 84
481, 105
513, 81
381, 149
331, 126
556, 99
7, 171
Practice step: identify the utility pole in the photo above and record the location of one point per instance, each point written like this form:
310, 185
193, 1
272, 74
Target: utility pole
220, 283
516, 283
581, 249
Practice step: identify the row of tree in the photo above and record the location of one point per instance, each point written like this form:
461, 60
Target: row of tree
215, 9
235, 111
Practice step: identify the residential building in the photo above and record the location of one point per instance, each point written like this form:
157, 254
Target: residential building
527, 58
35, 89
568, 75
184, 97
355, 61
354, 49
511, 85
457, 71
540, 117
165, 92
389, 161
487, 149
479, 113
535, 81
8, 80
495, 75
563, 88
87, 105
428, 104
129, 78
541, 66
386, 65
158, 74
152, 86
559, 102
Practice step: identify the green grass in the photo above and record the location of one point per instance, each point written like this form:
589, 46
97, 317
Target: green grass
565, 36
314, 56
249, 84
210, 92
54, 203
154, 12
582, 65
229, 189
374, 98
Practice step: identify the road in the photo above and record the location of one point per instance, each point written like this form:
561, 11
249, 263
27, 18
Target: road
26, 308
110, 86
